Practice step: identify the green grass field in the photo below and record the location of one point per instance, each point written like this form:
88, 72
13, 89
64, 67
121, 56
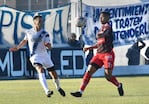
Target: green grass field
99, 91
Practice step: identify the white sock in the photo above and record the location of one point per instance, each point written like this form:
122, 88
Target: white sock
43, 82
81, 91
57, 84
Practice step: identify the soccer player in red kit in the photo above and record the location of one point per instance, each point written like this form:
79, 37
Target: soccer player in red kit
104, 57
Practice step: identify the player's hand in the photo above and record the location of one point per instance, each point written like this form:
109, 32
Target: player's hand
48, 45
13, 49
85, 49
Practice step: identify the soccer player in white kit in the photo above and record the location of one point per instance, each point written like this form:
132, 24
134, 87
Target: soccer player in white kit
38, 42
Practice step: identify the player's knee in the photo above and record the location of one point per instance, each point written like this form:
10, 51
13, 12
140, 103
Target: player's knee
91, 69
51, 68
40, 70
89, 72
108, 77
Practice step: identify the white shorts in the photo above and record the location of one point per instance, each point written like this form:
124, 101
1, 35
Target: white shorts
43, 58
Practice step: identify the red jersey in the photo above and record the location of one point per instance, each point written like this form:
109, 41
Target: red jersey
105, 39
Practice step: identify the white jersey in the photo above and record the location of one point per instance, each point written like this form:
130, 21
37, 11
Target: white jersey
38, 52
36, 41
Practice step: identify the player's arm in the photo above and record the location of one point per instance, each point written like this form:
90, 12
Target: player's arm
90, 48
104, 34
16, 48
100, 40
47, 42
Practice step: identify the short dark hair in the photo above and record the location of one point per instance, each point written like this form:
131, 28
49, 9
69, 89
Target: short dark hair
106, 13
37, 16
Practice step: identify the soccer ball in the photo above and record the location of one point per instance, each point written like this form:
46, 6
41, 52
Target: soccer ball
80, 21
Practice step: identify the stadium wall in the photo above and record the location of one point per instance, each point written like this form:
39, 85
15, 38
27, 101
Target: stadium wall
69, 62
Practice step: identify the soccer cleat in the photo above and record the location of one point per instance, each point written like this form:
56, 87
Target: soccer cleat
76, 94
62, 92
120, 90
49, 93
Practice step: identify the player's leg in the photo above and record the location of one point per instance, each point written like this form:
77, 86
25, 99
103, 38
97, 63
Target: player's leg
48, 63
108, 61
110, 77
42, 79
37, 61
86, 78
113, 80
55, 79
92, 68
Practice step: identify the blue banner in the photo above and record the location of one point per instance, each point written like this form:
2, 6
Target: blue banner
13, 24
129, 23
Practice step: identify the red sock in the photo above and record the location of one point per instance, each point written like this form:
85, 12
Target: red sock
86, 79
114, 81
